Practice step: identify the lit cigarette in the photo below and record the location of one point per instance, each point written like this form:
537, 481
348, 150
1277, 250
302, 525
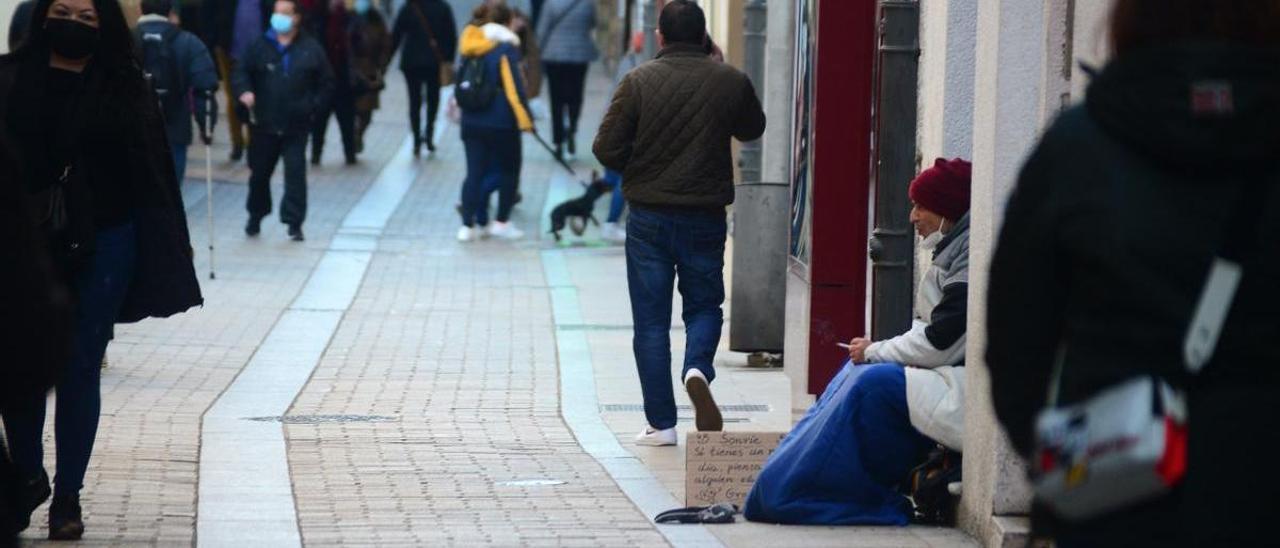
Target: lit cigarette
843, 345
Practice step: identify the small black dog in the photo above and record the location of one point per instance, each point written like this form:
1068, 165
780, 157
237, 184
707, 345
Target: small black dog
580, 208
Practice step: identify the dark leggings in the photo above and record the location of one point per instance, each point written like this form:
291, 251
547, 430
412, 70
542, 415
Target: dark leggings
492, 154
567, 82
417, 78
100, 290
343, 106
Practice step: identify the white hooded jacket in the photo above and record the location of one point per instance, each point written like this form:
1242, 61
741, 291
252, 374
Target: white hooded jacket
933, 349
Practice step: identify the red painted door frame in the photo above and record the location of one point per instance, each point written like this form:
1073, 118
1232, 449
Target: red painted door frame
842, 165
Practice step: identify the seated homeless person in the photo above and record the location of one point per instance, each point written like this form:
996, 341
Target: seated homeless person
895, 400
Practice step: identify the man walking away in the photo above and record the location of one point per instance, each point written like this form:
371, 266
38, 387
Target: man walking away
229, 27
430, 37
182, 73
668, 131
284, 79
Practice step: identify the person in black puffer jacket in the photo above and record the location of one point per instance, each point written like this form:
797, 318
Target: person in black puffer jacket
286, 81
1107, 245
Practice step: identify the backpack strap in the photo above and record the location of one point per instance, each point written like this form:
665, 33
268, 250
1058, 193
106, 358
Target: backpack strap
560, 17
1225, 274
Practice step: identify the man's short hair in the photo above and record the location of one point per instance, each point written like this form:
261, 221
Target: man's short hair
682, 21
297, 7
157, 7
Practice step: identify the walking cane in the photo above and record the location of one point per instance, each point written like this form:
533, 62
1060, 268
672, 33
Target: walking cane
208, 175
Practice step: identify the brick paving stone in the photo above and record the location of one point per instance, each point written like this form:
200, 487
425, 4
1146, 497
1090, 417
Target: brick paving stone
455, 341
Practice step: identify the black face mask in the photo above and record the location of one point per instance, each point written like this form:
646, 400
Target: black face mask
71, 39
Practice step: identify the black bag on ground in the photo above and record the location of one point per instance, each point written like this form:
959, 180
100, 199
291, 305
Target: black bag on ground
475, 90
928, 488
160, 65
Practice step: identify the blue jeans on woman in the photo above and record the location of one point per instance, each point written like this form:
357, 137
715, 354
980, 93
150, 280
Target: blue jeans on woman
663, 246
101, 287
492, 154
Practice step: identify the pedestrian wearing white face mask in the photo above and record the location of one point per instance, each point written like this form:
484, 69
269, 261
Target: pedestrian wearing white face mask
933, 349
284, 79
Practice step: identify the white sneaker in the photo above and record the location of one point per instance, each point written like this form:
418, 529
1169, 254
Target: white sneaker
656, 438
613, 233
467, 234
706, 414
505, 231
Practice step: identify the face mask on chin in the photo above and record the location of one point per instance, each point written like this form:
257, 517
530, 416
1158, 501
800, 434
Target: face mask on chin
931, 241
362, 6
71, 39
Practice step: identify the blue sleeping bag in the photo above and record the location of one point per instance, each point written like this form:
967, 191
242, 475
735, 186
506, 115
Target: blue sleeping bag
842, 462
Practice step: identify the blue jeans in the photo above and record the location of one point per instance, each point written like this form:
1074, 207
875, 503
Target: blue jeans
493, 156
101, 288
661, 246
618, 202
179, 160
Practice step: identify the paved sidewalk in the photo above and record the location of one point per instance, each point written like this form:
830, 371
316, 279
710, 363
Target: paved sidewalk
437, 413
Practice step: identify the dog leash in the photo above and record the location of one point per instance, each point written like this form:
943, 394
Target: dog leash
559, 160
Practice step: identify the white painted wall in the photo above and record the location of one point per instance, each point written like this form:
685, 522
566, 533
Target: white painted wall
1008, 114
6, 15
948, 41
1090, 41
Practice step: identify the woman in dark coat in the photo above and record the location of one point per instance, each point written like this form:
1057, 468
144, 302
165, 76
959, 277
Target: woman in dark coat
35, 311
430, 37
370, 52
97, 169
1107, 245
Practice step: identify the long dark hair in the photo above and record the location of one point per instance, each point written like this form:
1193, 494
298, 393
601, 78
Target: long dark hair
115, 42
1138, 24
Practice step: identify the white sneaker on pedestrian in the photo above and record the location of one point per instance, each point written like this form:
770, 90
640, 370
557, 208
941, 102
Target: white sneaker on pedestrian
467, 234
505, 231
706, 414
613, 233
652, 437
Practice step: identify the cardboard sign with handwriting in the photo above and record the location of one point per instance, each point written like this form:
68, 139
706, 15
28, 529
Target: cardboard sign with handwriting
721, 466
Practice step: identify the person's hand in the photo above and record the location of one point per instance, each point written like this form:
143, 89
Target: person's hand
858, 349
205, 136
246, 99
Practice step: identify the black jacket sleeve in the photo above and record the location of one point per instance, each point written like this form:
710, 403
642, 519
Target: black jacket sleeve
751, 118
447, 33
1026, 303
397, 32
241, 75
949, 319
323, 79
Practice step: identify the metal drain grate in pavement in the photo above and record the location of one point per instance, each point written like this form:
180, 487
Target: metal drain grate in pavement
639, 408
323, 419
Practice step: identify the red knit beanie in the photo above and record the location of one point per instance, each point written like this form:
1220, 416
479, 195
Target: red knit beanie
943, 188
